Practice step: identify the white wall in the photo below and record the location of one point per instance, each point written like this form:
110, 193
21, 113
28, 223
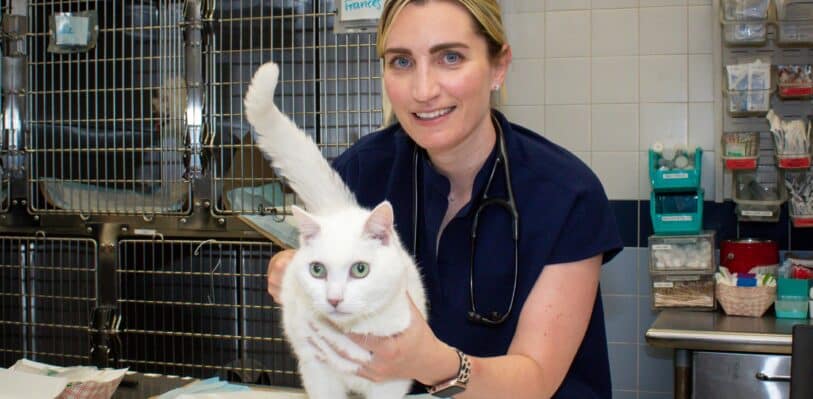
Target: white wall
607, 78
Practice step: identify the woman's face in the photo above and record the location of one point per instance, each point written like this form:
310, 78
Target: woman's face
438, 75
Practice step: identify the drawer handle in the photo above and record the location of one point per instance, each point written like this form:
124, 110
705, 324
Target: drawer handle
767, 377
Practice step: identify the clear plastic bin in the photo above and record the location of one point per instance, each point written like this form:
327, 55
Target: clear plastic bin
740, 150
794, 9
690, 254
759, 196
745, 33
745, 10
694, 292
800, 198
676, 213
743, 103
795, 33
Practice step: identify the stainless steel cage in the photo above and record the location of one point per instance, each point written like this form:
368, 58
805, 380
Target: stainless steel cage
142, 132
106, 123
200, 308
329, 85
47, 294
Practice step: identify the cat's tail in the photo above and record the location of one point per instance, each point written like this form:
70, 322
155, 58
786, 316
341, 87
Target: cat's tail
290, 150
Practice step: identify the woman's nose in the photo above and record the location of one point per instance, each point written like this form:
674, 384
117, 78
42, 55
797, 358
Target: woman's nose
425, 86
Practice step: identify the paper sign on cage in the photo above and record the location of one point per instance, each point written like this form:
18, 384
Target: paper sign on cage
357, 15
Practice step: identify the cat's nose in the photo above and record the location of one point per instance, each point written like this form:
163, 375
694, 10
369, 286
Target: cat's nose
334, 301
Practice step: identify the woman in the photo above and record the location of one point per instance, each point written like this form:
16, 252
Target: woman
529, 329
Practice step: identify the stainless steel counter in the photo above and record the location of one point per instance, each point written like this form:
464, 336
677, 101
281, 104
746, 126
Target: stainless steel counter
686, 332
717, 332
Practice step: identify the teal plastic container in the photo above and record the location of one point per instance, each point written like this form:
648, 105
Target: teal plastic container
675, 179
792, 300
677, 213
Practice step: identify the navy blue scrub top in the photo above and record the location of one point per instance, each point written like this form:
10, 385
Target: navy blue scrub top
564, 217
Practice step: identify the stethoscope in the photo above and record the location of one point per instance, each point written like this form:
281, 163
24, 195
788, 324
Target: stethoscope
494, 318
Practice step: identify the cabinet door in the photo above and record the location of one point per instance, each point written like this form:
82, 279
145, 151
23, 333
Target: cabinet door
737, 376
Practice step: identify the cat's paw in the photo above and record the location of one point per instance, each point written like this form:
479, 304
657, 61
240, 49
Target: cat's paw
260, 95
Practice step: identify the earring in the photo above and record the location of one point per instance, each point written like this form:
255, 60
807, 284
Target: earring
495, 87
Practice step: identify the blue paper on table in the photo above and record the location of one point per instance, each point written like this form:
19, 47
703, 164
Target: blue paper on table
211, 385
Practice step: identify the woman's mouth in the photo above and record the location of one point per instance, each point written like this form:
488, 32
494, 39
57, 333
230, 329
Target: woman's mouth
428, 116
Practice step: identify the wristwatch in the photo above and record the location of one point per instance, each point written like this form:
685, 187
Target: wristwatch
456, 385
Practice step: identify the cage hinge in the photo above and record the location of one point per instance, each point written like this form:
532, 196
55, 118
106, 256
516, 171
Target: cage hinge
105, 350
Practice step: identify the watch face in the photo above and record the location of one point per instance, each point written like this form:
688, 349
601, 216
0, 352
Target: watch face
449, 391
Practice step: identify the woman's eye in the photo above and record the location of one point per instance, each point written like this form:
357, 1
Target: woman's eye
360, 270
452, 58
318, 270
400, 62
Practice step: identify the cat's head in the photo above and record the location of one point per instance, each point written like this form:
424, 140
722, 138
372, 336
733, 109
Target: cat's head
350, 264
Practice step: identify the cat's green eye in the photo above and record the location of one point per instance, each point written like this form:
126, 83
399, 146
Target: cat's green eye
318, 270
359, 270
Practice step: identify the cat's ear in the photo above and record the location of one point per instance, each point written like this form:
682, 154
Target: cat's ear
306, 223
379, 225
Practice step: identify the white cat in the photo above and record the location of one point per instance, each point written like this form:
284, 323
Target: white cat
350, 271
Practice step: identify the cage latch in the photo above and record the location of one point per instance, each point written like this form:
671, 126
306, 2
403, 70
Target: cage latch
105, 350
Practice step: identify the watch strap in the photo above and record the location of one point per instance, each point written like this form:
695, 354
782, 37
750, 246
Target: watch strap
458, 383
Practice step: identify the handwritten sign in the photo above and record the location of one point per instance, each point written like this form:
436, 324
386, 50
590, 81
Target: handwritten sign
360, 10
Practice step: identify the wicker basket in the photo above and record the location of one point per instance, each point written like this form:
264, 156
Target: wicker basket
745, 301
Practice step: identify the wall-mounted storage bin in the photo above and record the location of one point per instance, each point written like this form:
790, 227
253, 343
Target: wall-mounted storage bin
800, 197
745, 10
740, 150
794, 81
685, 254
758, 197
745, 33
680, 171
794, 10
794, 33
676, 213
743, 103
693, 292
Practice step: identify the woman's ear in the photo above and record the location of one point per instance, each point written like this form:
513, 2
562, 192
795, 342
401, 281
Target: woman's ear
501, 65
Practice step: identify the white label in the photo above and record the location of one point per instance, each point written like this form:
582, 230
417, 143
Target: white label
758, 213
663, 284
71, 31
145, 232
675, 175
676, 218
661, 247
359, 10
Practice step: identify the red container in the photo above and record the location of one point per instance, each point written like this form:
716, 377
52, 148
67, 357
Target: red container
741, 256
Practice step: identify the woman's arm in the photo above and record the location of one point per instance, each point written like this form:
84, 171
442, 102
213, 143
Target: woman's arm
551, 327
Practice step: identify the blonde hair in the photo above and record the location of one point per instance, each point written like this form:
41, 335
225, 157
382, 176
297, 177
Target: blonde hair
487, 19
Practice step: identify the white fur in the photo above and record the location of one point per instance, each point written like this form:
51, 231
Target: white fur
337, 233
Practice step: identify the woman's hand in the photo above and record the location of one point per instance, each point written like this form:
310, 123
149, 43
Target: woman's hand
415, 353
276, 268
